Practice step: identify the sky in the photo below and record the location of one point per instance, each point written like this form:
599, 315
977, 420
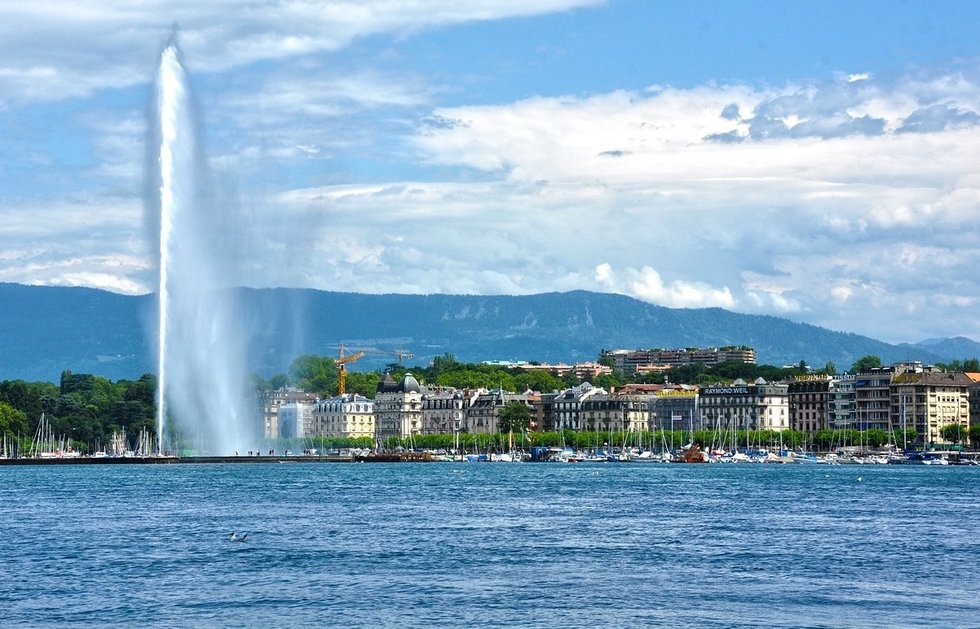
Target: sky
816, 161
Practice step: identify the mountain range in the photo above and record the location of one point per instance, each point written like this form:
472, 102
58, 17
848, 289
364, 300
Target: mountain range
45, 330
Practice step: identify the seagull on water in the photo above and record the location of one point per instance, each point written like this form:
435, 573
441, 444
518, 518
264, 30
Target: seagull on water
235, 537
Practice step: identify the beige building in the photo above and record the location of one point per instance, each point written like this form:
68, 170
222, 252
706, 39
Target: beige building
928, 401
349, 415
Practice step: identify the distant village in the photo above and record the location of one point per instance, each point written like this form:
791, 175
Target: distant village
908, 398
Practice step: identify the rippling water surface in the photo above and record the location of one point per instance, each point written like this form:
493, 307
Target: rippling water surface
493, 544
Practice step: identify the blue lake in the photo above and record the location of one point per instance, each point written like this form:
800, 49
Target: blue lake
442, 544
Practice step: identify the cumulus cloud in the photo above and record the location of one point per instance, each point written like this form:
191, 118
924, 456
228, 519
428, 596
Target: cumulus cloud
646, 284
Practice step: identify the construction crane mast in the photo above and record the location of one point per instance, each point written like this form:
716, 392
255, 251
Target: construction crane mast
342, 361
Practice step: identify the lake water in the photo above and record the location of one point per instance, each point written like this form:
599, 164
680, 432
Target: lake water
449, 545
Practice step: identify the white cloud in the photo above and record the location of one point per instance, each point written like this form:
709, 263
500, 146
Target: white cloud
60, 48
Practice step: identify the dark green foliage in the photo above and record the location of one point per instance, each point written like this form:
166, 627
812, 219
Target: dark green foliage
316, 374
954, 432
514, 417
84, 408
12, 421
975, 435
866, 364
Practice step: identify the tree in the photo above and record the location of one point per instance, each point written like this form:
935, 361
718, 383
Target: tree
442, 364
12, 421
537, 380
316, 374
363, 382
971, 365
829, 369
866, 364
953, 432
975, 435
514, 416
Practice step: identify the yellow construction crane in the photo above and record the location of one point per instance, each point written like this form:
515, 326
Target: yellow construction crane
342, 363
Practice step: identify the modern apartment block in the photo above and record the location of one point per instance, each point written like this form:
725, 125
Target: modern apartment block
841, 408
675, 409
872, 399
631, 361
928, 401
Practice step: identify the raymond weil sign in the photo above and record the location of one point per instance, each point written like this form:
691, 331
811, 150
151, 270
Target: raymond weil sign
726, 391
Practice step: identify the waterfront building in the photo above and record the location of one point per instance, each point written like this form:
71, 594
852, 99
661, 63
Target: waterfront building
928, 401
974, 398
675, 409
742, 406
296, 420
482, 414
841, 408
872, 394
568, 405
349, 415
809, 402
542, 410
398, 407
615, 412
269, 402
443, 409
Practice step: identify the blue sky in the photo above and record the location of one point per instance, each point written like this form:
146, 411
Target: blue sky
809, 160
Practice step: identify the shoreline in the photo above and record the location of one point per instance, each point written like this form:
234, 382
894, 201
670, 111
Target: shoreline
174, 460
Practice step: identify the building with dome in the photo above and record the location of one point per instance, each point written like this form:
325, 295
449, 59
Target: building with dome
398, 407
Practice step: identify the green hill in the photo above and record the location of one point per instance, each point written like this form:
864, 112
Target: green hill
44, 330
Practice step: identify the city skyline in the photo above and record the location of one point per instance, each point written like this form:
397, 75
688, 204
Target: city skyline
813, 161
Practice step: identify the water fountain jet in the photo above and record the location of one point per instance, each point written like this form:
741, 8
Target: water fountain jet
199, 339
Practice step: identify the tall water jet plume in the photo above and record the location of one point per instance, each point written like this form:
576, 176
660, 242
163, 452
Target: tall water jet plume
201, 393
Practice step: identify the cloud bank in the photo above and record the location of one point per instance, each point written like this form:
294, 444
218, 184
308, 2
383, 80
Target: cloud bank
851, 202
